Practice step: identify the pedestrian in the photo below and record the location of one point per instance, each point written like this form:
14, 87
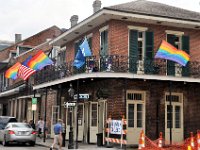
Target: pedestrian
58, 135
31, 123
40, 127
63, 134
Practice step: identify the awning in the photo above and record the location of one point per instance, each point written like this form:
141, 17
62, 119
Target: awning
12, 92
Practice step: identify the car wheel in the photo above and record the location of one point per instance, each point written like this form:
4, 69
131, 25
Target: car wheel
4, 143
32, 143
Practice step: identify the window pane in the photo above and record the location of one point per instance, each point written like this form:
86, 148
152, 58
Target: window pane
131, 115
94, 115
139, 115
177, 117
169, 118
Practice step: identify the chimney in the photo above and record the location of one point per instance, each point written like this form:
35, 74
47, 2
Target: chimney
18, 38
96, 5
74, 20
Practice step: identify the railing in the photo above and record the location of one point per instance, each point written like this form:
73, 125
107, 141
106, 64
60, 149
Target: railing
116, 63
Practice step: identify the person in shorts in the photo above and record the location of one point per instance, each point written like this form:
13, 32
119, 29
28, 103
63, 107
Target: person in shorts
58, 135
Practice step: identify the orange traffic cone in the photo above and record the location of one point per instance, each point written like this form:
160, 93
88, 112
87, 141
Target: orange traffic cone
141, 140
189, 147
191, 140
198, 140
160, 140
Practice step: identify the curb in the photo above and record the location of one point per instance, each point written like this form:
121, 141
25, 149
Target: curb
42, 145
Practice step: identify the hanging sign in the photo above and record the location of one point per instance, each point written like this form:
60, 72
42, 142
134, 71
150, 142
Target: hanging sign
69, 104
116, 127
34, 104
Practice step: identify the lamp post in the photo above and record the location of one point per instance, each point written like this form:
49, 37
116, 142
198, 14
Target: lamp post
71, 137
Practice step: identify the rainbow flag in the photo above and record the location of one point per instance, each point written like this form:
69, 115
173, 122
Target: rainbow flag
12, 71
39, 61
169, 52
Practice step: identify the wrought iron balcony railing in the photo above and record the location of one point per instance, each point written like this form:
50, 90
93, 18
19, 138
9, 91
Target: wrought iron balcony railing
117, 63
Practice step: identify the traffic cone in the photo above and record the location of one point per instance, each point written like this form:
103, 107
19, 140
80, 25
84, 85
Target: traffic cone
160, 140
191, 140
198, 140
141, 140
189, 147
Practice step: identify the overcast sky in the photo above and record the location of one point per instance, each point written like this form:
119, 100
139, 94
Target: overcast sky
28, 17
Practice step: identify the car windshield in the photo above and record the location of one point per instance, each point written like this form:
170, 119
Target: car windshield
21, 125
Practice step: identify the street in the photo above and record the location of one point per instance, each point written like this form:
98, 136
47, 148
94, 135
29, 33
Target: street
22, 147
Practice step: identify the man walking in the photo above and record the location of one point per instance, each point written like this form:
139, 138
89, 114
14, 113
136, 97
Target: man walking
58, 134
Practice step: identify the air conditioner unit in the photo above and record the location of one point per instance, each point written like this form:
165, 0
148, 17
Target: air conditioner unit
178, 70
140, 67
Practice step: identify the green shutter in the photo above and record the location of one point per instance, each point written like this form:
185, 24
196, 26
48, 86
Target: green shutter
149, 45
90, 43
171, 64
186, 48
133, 50
104, 43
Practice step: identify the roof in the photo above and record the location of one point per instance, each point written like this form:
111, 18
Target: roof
156, 9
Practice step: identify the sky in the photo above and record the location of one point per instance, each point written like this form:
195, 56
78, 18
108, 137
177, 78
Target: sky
28, 17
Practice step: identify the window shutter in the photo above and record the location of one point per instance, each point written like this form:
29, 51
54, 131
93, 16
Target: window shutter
133, 50
149, 45
186, 48
171, 64
90, 43
104, 43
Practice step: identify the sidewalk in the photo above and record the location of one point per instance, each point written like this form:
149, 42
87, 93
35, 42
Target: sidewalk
81, 146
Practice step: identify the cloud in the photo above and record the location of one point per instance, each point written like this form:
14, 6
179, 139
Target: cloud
29, 17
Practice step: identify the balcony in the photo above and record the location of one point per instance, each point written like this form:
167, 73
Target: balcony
118, 64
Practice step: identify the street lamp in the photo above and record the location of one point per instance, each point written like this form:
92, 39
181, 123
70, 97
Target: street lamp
71, 137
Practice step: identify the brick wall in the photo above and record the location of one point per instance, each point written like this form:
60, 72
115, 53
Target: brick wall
118, 38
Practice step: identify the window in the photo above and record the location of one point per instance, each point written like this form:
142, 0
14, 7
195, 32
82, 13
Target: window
140, 45
61, 56
180, 41
104, 41
22, 49
94, 115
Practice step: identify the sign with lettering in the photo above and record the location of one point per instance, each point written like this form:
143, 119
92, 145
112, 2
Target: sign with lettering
116, 127
69, 104
82, 96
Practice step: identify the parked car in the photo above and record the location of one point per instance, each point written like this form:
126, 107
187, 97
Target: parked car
18, 132
4, 120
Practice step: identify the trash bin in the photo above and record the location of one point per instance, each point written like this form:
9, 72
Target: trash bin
99, 139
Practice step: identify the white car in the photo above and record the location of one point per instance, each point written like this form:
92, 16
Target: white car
18, 132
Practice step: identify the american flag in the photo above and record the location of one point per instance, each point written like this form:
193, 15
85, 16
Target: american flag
25, 72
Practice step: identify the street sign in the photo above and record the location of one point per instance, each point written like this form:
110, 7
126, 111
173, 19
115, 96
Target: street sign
69, 104
34, 104
116, 127
82, 96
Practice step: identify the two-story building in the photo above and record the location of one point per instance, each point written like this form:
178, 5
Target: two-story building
122, 77
15, 95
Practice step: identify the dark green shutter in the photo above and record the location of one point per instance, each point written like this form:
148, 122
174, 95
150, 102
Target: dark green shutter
186, 48
104, 43
133, 50
90, 43
171, 64
148, 60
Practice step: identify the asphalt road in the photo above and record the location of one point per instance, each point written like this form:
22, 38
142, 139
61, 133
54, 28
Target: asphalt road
22, 147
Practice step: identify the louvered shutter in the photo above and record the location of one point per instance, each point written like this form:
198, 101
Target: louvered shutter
171, 64
149, 45
186, 48
133, 50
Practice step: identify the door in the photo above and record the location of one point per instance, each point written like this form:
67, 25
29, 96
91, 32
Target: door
86, 122
54, 118
93, 122
135, 115
69, 110
177, 117
29, 111
102, 116
80, 121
